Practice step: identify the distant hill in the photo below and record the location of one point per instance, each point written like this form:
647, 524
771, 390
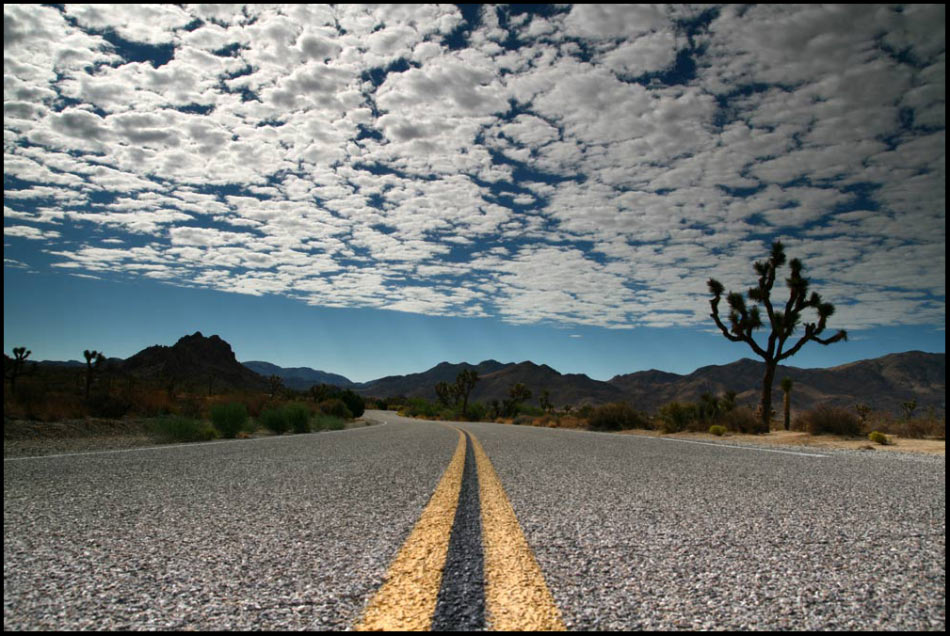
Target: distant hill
423, 384
194, 360
298, 378
883, 383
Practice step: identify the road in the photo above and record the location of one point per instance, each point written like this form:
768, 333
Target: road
626, 532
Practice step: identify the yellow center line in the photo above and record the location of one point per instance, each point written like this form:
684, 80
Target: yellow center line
406, 600
516, 596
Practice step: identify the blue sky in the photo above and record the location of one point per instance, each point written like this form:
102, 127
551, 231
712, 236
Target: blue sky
372, 190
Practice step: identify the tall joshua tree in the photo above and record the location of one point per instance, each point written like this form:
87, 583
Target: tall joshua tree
787, 402
744, 320
464, 383
94, 360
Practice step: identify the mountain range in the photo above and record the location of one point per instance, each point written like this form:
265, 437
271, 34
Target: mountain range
883, 383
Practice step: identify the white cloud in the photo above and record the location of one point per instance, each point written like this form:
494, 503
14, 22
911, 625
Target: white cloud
352, 156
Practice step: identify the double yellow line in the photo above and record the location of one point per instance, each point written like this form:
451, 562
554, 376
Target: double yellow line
516, 597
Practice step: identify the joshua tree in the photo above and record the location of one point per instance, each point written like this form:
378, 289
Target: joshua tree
787, 403
464, 383
745, 320
517, 394
908, 408
20, 354
446, 393
545, 401
709, 407
276, 383
94, 360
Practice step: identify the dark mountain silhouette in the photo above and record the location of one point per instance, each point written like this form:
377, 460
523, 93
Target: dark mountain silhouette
882, 383
423, 384
298, 378
194, 360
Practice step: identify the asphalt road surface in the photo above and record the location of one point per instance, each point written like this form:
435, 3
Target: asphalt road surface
629, 532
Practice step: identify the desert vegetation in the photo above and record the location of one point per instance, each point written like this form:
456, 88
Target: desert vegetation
715, 414
175, 410
782, 322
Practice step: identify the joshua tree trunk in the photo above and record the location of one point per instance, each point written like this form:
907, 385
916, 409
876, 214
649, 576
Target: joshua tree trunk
767, 395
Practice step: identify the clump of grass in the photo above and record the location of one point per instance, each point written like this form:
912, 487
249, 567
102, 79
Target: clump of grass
180, 429
718, 430
616, 416
879, 438
275, 420
229, 419
830, 420
328, 423
298, 417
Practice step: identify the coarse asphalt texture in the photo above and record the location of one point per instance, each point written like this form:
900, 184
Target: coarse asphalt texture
630, 532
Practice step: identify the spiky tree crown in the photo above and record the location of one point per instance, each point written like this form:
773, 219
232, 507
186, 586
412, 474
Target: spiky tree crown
744, 320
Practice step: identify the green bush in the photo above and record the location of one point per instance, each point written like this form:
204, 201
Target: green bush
328, 423
830, 420
354, 402
616, 416
274, 419
298, 417
675, 417
178, 429
477, 412
229, 419
879, 438
335, 407
718, 430
414, 407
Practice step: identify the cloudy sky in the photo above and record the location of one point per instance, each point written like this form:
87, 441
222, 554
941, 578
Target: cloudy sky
371, 190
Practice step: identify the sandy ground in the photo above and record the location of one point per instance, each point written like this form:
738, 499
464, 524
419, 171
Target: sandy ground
796, 438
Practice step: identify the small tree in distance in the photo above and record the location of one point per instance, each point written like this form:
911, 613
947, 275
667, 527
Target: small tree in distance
94, 360
787, 403
744, 320
20, 354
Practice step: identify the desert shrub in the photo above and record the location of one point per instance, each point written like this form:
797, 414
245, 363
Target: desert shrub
354, 402
921, 427
616, 416
477, 412
524, 420
108, 406
675, 417
741, 419
274, 419
152, 402
830, 420
229, 419
335, 407
879, 438
179, 429
298, 417
323, 422
585, 411
415, 407
718, 430
191, 406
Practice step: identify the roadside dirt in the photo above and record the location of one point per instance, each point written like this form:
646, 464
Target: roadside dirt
27, 438
797, 438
